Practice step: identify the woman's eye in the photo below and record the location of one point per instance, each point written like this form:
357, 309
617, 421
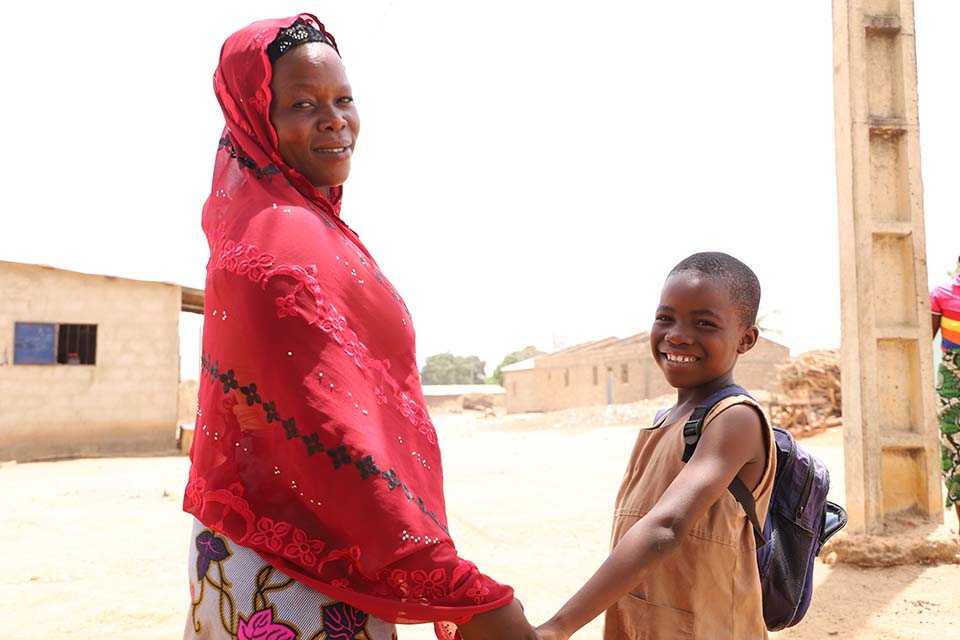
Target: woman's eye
303, 104
661, 318
346, 100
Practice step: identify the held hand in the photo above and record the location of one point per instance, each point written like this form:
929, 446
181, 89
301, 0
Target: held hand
547, 631
505, 623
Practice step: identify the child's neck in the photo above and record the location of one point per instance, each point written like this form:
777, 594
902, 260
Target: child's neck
688, 399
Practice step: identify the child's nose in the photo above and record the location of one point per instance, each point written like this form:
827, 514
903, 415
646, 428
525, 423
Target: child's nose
677, 337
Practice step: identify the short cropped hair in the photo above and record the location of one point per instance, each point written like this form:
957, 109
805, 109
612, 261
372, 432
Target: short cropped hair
739, 279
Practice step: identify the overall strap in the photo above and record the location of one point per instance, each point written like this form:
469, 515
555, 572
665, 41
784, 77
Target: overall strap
691, 436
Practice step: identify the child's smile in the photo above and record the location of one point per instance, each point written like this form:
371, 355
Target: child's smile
679, 358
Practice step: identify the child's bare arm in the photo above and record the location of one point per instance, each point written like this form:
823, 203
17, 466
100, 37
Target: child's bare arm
734, 439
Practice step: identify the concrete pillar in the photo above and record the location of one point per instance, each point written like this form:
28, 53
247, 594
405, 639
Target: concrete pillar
891, 445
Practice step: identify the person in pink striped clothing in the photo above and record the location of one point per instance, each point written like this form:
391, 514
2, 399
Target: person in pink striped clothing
945, 318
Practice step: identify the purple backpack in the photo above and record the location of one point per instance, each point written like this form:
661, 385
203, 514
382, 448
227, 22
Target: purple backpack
799, 522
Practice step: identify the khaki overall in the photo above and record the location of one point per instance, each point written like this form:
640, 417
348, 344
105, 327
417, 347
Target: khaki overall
709, 588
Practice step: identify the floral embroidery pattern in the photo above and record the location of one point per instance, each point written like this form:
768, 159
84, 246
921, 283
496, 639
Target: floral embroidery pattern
230, 504
351, 556
391, 477
271, 410
251, 393
286, 306
417, 416
229, 381
312, 443
193, 493
478, 592
429, 585
367, 467
291, 428
226, 510
245, 259
398, 582
304, 549
270, 534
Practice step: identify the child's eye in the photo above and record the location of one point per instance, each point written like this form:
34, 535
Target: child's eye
705, 323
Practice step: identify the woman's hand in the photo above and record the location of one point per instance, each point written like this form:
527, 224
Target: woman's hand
505, 623
548, 631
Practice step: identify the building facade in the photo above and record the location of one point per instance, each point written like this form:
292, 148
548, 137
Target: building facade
615, 371
89, 364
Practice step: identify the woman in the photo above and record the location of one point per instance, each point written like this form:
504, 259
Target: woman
945, 308
316, 480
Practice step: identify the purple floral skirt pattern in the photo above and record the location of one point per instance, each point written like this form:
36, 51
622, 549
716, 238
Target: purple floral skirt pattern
235, 595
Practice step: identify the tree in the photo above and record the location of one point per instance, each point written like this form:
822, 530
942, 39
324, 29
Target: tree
516, 356
446, 368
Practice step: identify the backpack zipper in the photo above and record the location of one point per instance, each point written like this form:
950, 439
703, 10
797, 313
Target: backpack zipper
805, 493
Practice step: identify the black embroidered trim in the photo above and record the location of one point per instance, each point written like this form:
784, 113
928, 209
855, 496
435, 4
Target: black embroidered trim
367, 467
247, 162
339, 455
299, 32
291, 428
312, 443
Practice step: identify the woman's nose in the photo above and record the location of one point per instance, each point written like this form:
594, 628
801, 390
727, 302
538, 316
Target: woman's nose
331, 120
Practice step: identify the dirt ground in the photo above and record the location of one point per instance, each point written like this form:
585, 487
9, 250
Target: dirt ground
97, 548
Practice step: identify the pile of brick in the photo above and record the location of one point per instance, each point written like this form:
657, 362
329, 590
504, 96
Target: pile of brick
809, 398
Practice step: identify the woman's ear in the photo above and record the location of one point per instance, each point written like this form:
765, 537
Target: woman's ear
748, 339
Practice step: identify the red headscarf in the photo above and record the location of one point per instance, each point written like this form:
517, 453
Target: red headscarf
312, 444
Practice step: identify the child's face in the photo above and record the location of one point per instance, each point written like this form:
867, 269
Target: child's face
698, 331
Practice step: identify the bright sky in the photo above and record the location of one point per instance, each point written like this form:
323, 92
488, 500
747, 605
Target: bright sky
527, 172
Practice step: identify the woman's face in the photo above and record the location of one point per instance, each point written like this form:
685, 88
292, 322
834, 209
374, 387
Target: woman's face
313, 113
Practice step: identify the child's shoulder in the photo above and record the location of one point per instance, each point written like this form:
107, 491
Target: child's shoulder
737, 404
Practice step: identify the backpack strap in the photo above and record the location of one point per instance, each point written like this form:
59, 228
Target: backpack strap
694, 424
691, 436
745, 498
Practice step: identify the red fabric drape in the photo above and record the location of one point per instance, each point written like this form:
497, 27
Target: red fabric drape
312, 443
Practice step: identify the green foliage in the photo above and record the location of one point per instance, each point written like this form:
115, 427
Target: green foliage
516, 356
446, 368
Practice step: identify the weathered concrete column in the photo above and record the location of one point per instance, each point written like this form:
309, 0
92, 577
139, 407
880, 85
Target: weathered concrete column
891, 445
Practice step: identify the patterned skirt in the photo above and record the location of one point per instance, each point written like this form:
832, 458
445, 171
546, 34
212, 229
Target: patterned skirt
948, 415
235, 595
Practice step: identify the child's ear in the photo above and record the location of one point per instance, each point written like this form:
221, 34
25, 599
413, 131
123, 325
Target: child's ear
748, 339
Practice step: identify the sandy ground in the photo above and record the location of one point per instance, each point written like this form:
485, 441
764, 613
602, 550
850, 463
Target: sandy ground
97, 548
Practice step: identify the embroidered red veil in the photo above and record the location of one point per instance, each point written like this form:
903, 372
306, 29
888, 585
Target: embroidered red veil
312, 443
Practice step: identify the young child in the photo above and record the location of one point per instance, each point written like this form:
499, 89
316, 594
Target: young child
683, 559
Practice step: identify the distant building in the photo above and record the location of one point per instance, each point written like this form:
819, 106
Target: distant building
614, 371
89, 364
458, 397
